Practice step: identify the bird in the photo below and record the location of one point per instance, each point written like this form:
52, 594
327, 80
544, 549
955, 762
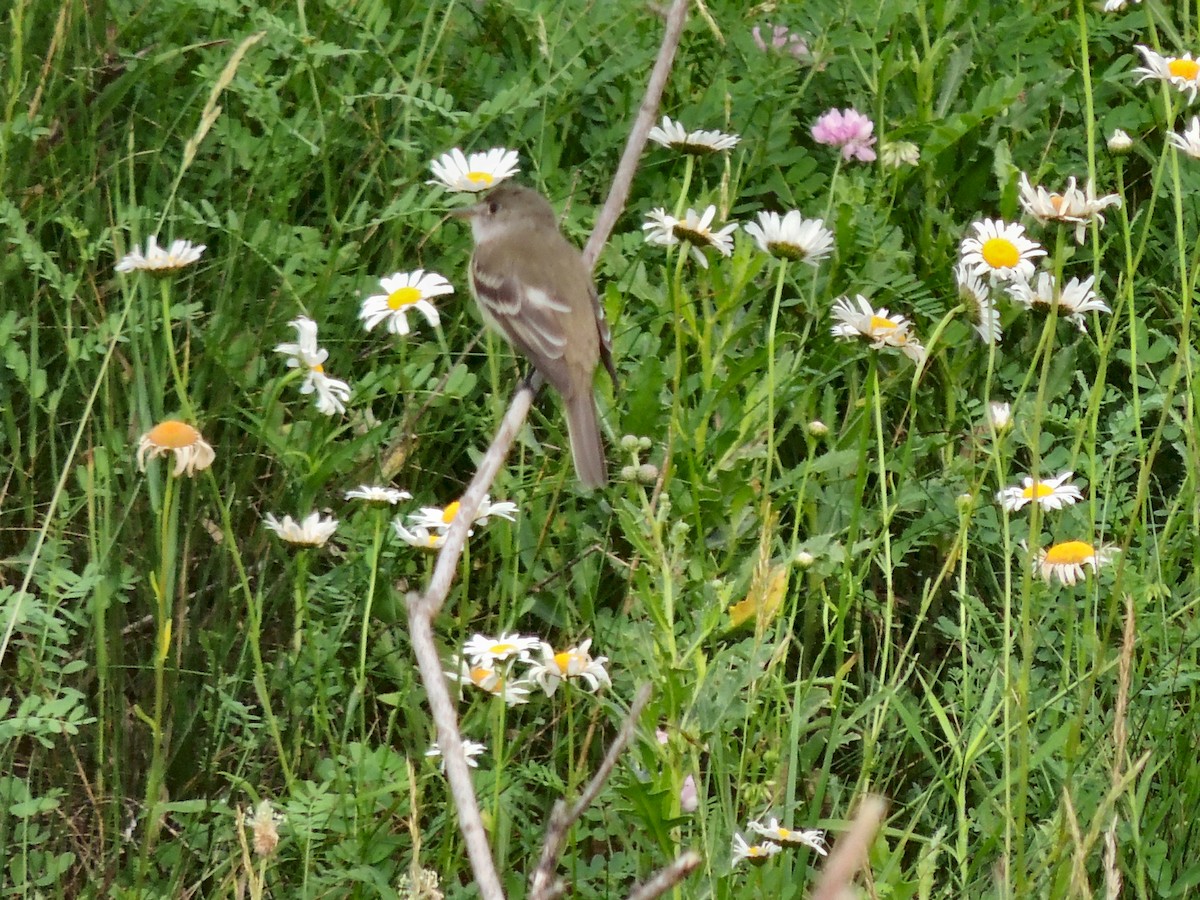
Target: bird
533, 287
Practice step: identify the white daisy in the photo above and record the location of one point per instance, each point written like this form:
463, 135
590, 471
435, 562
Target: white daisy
976, 295
1187, 141
402, 292
1000, 251
436, 518
572, 663
371, 493
471, 750
1048, 493
192, 453
158, 261
497, 683
475, 173
1073, 300
699, 143
755, 854
693, 228
482, 650
332, 393
313, 531
1181, 72
792, 236
1072, 206
419, 537
814, 837
1117, 5
1067, 560
858, 320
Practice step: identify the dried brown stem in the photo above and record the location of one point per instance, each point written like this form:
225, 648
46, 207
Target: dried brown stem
850, 851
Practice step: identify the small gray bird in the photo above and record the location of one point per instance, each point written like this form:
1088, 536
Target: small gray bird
532, 286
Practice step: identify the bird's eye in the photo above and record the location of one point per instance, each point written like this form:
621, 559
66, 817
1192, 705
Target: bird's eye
493, 206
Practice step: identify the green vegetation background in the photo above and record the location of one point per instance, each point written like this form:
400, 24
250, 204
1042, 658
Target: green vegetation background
914, 657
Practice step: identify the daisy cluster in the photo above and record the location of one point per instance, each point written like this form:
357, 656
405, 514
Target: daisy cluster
512, 666
771, 839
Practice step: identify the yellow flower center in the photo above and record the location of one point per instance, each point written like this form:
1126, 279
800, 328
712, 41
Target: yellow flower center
488, 679
402, 297
563, 661
1187, 69
502, 649
1037, 491
1070, 553
758, 850
173, 434
450, 512
878, 323
484, 178
317, 368
1000, 253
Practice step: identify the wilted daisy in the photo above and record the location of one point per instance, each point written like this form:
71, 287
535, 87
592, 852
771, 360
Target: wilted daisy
857, 319
512, 690
192, 453
814, 837
756, 854
782, 40
483, 650
404, 292
1067, 560
159, 261
894, 154
1000, 251
792, 236
437, 518
976, 296
1120, 141
573, 663
475, 173
1073, 300
695, 229
1072, 206
1181, 72
1000, 416
304, 353
371, 493
1048, 493
698, 143
471, 750
419, 536
848, 130
1187, 141
313, 531
264, 822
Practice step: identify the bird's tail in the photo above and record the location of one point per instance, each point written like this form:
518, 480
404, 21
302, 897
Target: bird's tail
583, 427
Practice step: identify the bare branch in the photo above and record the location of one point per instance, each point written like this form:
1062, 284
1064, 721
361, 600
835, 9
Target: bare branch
850, 850
666, 878
424, 609
647, 112
561, 820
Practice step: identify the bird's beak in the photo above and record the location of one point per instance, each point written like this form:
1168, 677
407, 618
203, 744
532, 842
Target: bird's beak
467, 212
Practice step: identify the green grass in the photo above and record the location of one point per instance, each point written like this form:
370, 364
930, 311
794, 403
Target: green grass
166, 662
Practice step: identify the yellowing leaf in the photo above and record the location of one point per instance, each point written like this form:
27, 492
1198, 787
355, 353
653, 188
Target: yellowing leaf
762, 600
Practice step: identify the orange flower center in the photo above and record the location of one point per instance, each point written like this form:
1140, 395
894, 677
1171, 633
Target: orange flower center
1001, 253
173, 434
1056, 200
1070, 553
1187, 69
401, 297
